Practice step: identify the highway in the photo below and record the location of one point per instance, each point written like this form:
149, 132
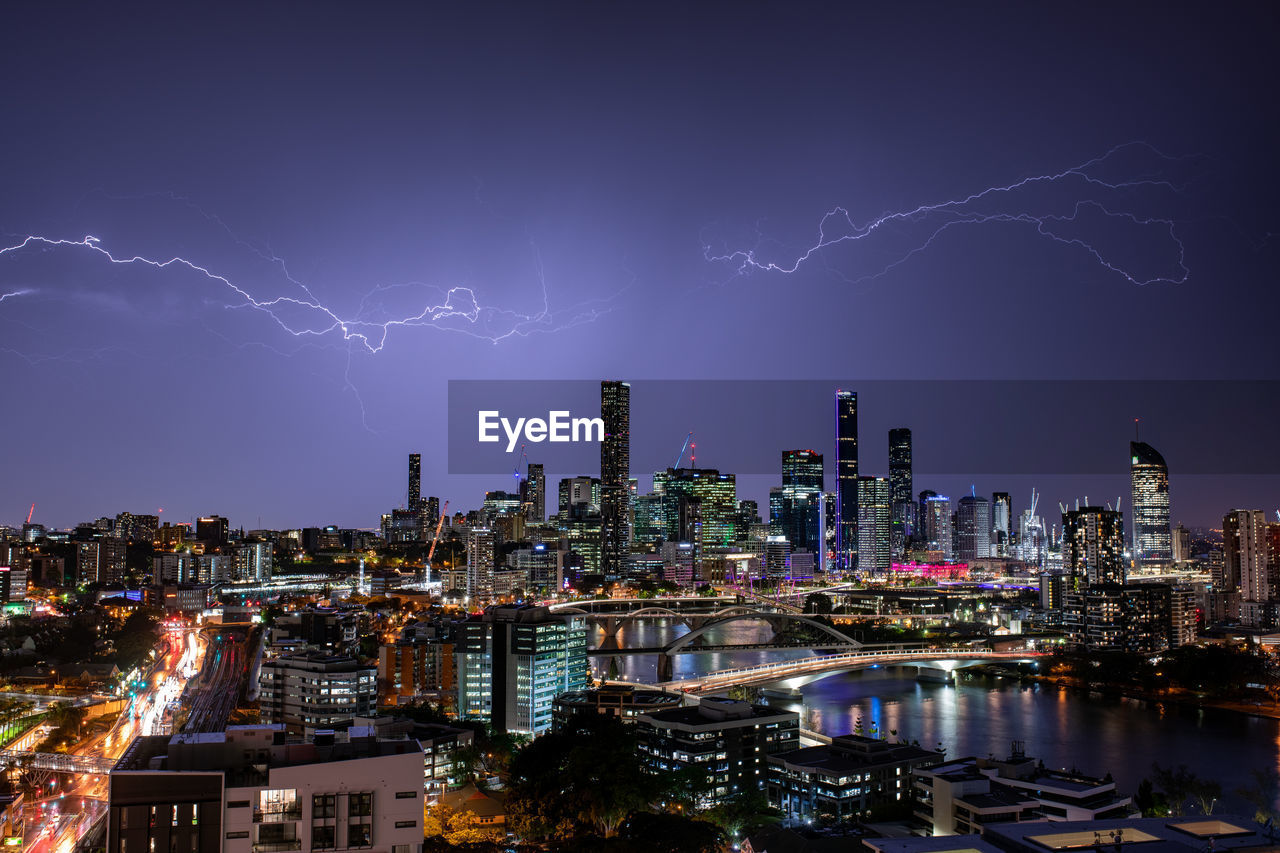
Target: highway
71, 805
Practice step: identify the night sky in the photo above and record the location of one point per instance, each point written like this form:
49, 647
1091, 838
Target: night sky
605, 188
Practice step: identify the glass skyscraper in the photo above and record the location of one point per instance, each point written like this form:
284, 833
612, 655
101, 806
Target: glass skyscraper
1152, 538
798, 500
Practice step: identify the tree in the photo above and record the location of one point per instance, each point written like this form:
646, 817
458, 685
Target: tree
587, 776
742, 814
670, 833
1149, 801
1206, 792
818, 602
1262, 794
1177, 783
458, 827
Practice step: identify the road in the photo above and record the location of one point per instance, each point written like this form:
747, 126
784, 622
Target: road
55, 823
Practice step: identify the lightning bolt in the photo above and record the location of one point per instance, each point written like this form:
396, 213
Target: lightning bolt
459, 310
837, 226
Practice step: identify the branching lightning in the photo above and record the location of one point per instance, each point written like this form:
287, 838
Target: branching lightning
837, 226
459, 310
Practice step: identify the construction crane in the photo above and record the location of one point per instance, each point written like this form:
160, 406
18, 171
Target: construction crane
30, 513
688, 445
435, 539
524, 458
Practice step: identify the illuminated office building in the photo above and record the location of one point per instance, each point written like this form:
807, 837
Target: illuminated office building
1152, 540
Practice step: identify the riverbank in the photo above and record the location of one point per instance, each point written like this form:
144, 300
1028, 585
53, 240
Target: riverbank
1184, 698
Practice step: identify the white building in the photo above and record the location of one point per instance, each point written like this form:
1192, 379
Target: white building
252, 790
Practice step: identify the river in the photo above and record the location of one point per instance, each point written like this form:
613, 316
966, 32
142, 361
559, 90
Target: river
981, 715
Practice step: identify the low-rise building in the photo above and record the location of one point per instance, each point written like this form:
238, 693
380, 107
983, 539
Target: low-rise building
728, 741
618, 700
967, 794
848, 778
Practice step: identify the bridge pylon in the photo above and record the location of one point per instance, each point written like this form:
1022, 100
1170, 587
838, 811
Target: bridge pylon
666, 667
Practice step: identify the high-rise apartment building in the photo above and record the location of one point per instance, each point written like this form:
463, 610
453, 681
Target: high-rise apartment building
1152, 542
874, 524
511, 663
1245, 565
846, 480
101, 560
615, 472
1093, 546
480, 563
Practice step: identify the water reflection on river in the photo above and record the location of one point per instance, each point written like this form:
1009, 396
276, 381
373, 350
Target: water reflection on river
983, 716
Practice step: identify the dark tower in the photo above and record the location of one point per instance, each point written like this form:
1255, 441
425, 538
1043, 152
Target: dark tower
615, 472
415, 482
847, 480
902, 505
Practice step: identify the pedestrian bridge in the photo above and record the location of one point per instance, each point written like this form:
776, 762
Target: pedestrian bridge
57, 762
795, 673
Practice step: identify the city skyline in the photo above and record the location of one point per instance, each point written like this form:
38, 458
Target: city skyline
684, 223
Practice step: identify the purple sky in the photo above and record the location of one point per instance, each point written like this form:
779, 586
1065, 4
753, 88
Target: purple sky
572, 166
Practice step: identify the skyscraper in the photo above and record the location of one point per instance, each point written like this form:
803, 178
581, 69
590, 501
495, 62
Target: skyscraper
615, 471
1244, 558
973, 517
874, 501
480, 563
1093, 546
1152, 539
415, 482
535, 494
1181, 544
846, 480
802, 485
937, 524
902, 507
1002, 524
699, 505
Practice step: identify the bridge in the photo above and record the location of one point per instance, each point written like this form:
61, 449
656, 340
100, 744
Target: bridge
794, 673
57, 762
812, 635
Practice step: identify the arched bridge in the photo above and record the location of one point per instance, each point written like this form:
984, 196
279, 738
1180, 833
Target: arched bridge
697, 623
791, 632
